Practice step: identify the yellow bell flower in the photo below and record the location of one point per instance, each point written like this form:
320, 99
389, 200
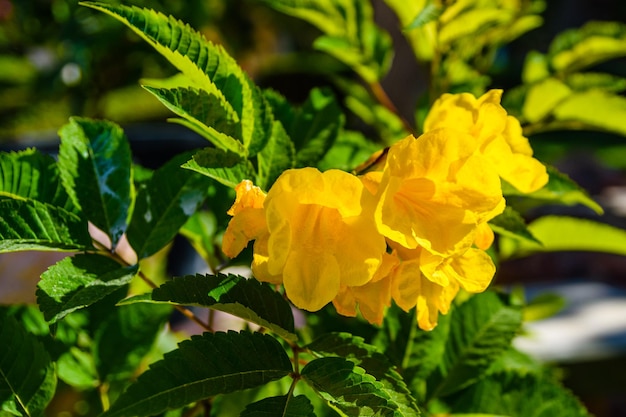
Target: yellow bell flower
434, 191
430, 282
499, 135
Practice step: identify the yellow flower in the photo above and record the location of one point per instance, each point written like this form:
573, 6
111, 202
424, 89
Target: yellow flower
248, 222
430, 282
499, 135
434, 192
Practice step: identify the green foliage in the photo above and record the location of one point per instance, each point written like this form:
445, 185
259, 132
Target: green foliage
241, 297
201, 367
27, 375
298, 406
98, 153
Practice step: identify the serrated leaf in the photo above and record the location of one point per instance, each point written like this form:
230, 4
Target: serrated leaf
204, 111
373, 361
481, 329
32, 175
284, 406
560, 189
225, 167
201, 367
510, 223
95, 164
79, 281
348, 388
27, 377
507, 394
31, 225
595, 108
163, 206
205, 64
248, 299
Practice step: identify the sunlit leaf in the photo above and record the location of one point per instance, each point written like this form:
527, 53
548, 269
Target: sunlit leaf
79, 281
205, 111
510, 223
278, 155
595, 108
284, 406
225, 167
31, 225
205, 64
560, 189
543, 97
95, 164
201, 367
32, 175
559, 233
248, 299
27, 377
591, 44
163, 206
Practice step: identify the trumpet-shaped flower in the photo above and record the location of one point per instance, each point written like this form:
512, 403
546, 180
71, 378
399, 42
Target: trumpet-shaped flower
434, 192
499, 135
430, 282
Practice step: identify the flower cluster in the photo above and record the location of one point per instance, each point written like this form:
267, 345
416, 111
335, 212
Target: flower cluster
413, 229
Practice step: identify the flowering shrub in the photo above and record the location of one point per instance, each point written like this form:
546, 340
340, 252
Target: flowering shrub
400, 232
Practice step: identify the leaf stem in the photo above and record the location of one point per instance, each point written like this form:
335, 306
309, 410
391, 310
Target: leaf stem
103, 393
382, 97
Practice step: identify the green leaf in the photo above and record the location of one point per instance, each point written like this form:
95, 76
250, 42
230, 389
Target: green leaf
350, 33
508, 394
276, 157
201, 367
123, 339
591, 44
481, 329
558, 233
582, 81
471, 22
417, 352
350, 150
348, 388
27, 377
248, 299
225, 167
95, 164
543, 306
207, 66
31, 175
313, 127
163, 206
206, 111
595, 108
560, 189
415, 17
373, 361
77, 282
429, 13
510, 223
536, 68
201, 230
31, 225
543, 97
284, 406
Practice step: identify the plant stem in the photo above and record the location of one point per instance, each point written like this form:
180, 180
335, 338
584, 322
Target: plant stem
382, 97
184, 311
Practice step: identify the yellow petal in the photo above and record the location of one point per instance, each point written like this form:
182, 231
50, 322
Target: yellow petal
484, 236
373, 298
259, 262
345, 303
248, 196
432, 300
246, 225
311, 279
